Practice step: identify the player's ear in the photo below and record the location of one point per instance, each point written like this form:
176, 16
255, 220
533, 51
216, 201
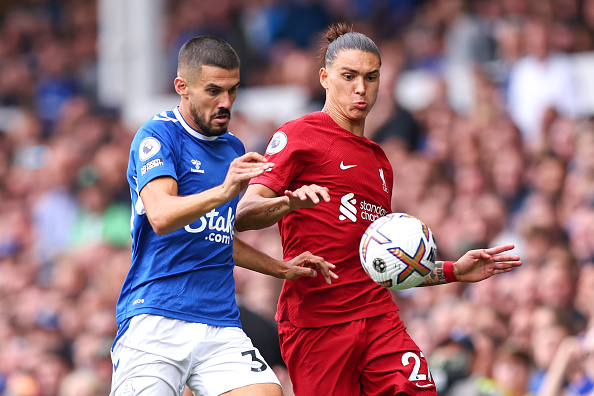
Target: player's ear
324, 77
181, 86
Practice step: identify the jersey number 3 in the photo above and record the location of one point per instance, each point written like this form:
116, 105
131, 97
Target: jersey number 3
255, 359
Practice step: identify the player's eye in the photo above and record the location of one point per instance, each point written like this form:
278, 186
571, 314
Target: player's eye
212, 91
348, 77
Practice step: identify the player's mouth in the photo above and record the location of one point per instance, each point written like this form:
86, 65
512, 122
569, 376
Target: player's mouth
221, 119
222, 116
361, 105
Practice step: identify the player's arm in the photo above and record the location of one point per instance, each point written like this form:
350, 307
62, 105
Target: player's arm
436, 276
474, 266
167, 211
261, 207
306, 264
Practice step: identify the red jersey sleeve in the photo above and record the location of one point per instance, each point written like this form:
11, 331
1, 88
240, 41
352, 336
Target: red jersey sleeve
292, 148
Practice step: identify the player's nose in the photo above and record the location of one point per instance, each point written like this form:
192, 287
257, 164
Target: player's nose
226, 100
360, 87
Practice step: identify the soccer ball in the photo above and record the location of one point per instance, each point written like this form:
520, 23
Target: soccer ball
398, 251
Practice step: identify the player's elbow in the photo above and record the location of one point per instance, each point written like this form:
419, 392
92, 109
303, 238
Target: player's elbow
160, 224
162, 231
241, 223
245, 219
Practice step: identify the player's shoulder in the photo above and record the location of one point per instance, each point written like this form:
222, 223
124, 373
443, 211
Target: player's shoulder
305, 127
160, 126
314, 118
235, 143
308, 133
164, 121
155, 133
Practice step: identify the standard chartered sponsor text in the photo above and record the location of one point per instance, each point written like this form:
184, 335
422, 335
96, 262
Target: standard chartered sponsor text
371, 212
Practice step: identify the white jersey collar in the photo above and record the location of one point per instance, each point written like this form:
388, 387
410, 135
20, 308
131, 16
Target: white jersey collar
189, 129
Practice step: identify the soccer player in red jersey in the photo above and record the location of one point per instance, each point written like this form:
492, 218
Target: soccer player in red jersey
328, 184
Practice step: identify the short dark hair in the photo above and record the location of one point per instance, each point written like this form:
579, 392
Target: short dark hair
206, 50
341, 37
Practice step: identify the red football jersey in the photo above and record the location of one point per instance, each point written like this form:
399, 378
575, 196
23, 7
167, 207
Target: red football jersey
315, 150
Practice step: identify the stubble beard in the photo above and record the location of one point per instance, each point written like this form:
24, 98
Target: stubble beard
207, 127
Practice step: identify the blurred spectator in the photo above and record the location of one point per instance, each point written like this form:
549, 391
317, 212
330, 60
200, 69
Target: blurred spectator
546, 340
54, 207
55, 85
511, 369
82, 382
390, 121
540, 81
469, 34
557, 288
451, 362
572, 370
585, 291
303, 20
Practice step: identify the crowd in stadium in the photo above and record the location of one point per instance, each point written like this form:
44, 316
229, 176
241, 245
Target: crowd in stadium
499, 149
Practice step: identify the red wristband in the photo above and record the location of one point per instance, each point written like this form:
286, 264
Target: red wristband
448, 271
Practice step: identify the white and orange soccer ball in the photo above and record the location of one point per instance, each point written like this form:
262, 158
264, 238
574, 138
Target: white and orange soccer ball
398, 251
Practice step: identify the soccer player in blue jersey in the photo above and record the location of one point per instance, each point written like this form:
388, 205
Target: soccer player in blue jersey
178, 322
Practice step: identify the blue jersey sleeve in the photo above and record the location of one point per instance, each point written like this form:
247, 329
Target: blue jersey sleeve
153, 154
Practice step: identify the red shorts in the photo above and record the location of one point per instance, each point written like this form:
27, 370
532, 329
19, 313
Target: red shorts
372, 357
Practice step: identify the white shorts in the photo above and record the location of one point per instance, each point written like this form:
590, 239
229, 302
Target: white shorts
160, 356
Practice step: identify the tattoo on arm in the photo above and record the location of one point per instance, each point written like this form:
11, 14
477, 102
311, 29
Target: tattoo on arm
269, 211
436, 276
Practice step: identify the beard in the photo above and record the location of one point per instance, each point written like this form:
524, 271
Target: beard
207, 126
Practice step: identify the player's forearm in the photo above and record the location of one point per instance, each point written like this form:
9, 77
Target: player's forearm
170, 213
257, 212
246, 256
436, 276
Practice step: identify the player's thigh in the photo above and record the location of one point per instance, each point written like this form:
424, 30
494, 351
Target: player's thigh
142, 361
325, 360
141, 373
256, 390
227, 361
144, 386
394, 361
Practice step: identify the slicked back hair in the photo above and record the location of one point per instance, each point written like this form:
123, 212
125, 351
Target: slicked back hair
341, 37
208, 51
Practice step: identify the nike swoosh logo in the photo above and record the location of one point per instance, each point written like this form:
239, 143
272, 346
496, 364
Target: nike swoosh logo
115, 366
343, 166
423, 386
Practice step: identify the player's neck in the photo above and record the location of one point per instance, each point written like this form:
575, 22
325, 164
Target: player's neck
356, 127
187, 116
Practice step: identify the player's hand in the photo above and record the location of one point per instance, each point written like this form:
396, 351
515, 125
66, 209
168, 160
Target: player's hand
477, 265
241, 170
307, 196
306, 264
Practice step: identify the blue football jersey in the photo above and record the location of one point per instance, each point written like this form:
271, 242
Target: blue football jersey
187, 274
